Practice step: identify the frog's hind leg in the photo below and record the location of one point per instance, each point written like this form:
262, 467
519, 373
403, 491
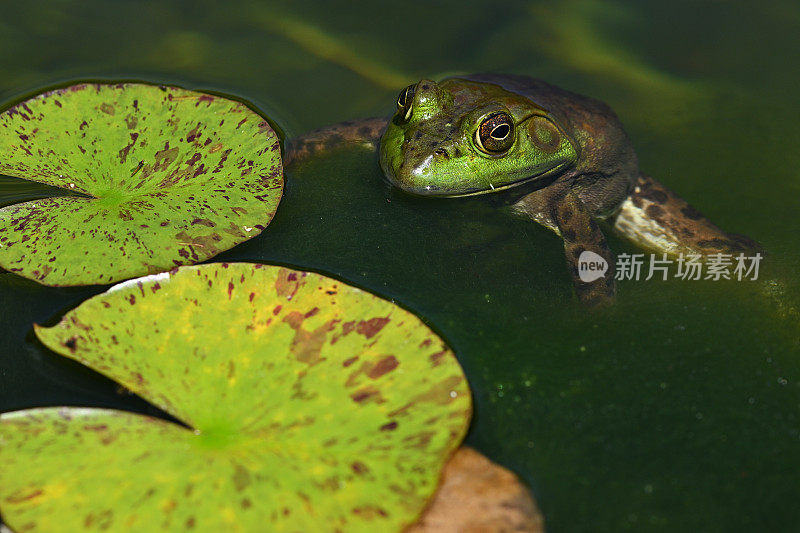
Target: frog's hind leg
561, 210
581, 233
365, 132
655, 218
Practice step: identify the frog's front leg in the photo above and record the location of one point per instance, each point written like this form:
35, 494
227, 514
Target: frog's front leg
655, 218
565, 213
365, 132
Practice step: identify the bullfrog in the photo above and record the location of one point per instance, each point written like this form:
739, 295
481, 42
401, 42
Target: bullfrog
561, 159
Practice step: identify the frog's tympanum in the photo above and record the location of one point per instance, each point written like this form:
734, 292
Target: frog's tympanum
559, 158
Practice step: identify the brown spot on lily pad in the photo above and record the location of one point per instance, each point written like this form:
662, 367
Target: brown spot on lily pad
71, 343
368, 394
307, 345
384, 366
241, 478
359, 468
371, 327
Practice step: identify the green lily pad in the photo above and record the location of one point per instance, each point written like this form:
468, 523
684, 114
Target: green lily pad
311, 406
163, 177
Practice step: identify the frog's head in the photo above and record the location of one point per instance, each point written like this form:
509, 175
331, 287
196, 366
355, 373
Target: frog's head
461, 137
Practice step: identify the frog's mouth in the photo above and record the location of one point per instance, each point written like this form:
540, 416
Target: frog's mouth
522, 186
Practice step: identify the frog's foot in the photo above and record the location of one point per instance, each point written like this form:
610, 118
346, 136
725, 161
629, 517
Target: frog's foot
366, 132
589, 260
654, 217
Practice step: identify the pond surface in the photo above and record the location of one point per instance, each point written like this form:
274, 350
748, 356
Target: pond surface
678, 408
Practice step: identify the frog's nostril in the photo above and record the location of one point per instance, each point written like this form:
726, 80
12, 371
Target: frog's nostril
441, 152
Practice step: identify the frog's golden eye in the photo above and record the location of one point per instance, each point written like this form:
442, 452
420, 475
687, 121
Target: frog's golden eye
405, 101
495, 135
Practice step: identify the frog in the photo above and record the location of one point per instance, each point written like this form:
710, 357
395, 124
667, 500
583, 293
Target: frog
558, 158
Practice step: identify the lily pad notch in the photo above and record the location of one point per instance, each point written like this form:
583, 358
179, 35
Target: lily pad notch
167, 177
314, 406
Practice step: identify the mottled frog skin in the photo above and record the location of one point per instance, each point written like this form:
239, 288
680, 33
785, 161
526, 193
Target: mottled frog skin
557, 157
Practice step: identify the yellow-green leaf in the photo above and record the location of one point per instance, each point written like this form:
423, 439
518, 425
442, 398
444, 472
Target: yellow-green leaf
162, 177
311, 406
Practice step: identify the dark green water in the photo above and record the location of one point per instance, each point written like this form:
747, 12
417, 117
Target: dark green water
676, 410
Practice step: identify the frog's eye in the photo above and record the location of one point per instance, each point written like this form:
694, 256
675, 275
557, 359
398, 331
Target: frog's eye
495, 135
405, 100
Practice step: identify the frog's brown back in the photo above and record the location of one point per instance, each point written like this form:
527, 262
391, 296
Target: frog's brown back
652, 216
607, 166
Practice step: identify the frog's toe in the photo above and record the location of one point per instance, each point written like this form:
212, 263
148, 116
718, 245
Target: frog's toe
744, 244
597, 294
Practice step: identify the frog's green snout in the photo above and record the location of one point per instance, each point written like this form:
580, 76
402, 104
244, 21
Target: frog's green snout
413, 162
417, 174
415, 144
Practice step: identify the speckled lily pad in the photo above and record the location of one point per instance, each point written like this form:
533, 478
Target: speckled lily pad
165, 177
311, 406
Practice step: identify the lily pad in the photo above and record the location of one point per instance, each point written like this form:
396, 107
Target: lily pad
163, 177
309, 405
